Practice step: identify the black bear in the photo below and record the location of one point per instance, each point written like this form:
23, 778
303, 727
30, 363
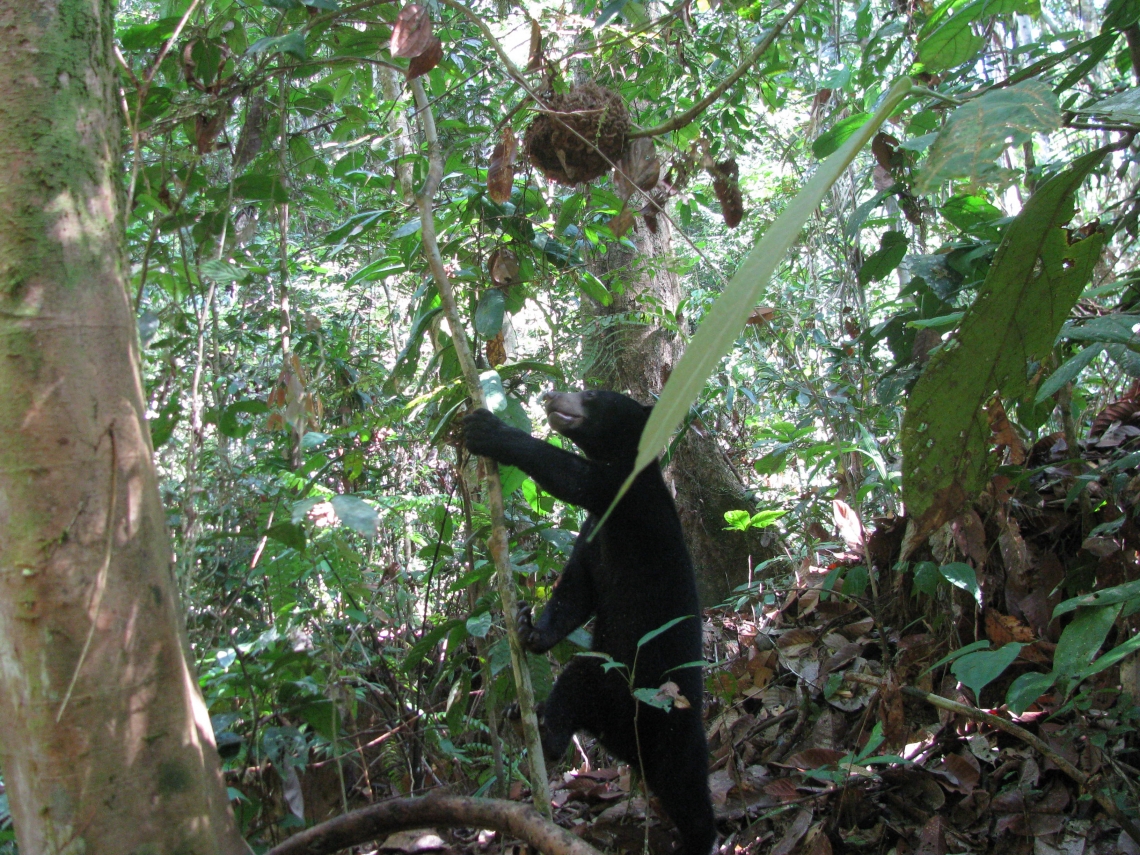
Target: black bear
635, 576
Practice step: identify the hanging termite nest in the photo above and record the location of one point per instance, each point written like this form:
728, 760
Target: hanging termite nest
574, 133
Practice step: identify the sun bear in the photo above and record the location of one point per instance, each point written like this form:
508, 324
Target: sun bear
635, 576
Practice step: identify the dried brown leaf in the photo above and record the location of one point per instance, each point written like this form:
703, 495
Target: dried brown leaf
534, 62
412, 33
638, 169
424, 62
501, 171
726, 185
621, 224
504, 267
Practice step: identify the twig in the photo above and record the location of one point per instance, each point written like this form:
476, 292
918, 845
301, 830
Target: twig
1086, 782
689, 115
379, 820
497, 543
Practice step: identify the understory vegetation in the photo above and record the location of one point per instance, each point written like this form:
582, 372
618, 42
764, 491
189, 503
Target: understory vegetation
928, 419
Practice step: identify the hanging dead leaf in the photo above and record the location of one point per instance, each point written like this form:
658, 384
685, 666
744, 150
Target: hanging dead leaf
1004, 434
762, 315
504, 267
207, 128
620, 224
726, 185
424, 62
849, 525
411, 34
501, 172
536, 58
638, 169
496, 350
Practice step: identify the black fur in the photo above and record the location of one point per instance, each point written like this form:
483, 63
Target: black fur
634, 577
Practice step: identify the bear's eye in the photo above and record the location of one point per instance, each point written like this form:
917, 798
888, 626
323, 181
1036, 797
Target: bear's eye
589, 395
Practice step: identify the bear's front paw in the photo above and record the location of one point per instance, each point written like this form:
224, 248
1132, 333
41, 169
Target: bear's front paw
480, 428
525, 625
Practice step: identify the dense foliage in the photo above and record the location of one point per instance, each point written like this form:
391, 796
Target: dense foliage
304, 389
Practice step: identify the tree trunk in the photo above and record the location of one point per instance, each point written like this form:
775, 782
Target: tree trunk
628, 353
106, 746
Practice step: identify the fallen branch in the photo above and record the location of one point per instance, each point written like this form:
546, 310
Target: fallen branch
1086, 782
517, 819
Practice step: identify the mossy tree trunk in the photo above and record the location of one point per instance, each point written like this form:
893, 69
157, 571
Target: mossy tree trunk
106, 745
631, 354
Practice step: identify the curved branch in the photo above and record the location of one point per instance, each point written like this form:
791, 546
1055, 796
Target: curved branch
379, 820
689, 115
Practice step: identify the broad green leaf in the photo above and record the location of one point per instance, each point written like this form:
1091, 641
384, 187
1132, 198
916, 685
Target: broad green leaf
489, 312
830, 140
722, 324
1082, 638
494, 397
947, 40
763, 519
1026, 689
962, 576
978, 670
357, 514
162, 426
892, 248
479, 625
257, 187
1112, 657
1032, 284
407, 229
378, 269
222, 271
594, 288
1111, 329
1068, 372
291, 43
927, 578
1107, 597
978, 132
973, 214
737, 520
1121, 107
289, 533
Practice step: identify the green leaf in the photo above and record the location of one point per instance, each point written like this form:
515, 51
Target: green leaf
489, 312
1067, 373
962, 576
375, 270
1119, 328
722, 324
978, 670
1032, 284
763, 519
291, 534
886, 258
407, 229
357, 514
1107, 597
162, 425
737, 520
479, 625
494, 397
148, 35
665, 627
222, 271
830, 140
1082, 638
927, 578
947, 40
1112, 657
291, 43
593, 288
978, 132
260, 188
1026, 689
973, 214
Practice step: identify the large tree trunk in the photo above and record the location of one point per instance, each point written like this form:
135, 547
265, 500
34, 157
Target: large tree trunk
633, 355
106, 745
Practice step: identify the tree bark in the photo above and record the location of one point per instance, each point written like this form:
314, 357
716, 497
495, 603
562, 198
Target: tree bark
635, 355
107, 745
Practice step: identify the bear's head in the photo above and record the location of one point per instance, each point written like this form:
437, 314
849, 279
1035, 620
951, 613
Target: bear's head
605, 425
